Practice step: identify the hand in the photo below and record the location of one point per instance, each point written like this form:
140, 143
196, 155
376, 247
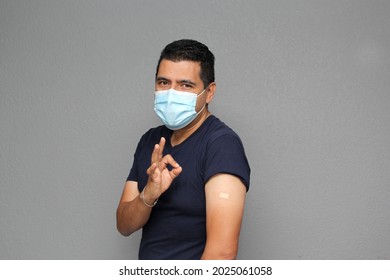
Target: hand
160, 178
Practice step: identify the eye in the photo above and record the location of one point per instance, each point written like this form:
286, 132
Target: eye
187, 86
162, 83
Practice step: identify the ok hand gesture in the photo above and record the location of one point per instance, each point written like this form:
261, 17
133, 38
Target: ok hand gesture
160, 178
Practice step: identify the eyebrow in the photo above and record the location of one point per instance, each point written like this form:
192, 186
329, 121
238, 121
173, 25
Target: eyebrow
161, 79
187, 82
179, 81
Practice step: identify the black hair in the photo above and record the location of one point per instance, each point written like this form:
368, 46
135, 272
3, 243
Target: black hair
187, 49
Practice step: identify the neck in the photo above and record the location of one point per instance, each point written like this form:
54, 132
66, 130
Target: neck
180, 135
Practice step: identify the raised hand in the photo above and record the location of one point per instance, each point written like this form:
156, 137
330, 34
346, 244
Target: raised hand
160, 177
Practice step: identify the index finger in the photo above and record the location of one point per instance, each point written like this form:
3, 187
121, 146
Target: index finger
168, 160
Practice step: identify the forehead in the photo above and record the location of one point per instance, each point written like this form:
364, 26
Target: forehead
178, 70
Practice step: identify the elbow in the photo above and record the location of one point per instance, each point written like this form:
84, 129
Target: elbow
225, 253
227, 256
122, 230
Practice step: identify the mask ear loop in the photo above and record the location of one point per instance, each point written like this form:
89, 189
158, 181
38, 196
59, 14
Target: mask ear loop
204, 106
203, 91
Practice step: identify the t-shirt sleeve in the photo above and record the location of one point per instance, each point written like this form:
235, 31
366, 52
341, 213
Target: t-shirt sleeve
133, 175
226, 154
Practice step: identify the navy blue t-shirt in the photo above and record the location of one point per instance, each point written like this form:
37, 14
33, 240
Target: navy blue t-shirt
176, 228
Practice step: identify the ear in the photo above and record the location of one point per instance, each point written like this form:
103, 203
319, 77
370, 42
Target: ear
210, 92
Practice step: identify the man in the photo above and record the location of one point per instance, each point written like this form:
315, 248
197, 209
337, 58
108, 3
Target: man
189, 179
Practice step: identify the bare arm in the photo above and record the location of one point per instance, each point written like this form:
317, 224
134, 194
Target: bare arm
225, 199
131, 203
133, 212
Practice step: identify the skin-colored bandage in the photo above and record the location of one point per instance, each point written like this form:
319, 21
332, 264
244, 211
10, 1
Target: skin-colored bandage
224, 195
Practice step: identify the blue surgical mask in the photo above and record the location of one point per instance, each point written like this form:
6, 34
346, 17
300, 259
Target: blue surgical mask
176, 109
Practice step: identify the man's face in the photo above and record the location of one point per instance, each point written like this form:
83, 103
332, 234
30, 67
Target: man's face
181, 76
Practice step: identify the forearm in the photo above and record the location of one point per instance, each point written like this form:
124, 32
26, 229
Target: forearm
132, 215
134, 208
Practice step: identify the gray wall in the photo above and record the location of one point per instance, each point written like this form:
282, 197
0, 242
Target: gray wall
304, 83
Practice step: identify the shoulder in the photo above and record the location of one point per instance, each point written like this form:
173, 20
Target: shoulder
221, 137
217, 130
225, 152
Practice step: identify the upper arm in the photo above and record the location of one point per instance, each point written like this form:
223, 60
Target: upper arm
225, 200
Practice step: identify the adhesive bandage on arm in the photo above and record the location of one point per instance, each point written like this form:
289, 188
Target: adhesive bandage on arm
224, 195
